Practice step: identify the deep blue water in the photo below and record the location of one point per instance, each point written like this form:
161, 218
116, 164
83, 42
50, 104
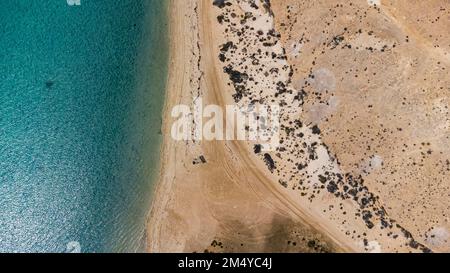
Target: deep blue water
81, 94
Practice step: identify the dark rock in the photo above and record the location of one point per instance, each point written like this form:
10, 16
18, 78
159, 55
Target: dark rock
219, 3
49, 84
269, 162
316, 130
257, 148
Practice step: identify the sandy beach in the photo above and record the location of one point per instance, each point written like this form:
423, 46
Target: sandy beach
324, 191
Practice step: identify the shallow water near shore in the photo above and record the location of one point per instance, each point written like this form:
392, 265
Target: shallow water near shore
81, 95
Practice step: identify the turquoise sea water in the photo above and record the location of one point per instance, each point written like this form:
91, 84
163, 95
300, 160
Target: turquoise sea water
81, 95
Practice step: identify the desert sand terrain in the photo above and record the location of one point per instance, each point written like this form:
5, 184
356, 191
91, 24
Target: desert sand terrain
363, 161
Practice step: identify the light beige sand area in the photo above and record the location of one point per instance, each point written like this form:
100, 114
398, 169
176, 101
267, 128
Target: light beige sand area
229, 203
381, 98
329, 192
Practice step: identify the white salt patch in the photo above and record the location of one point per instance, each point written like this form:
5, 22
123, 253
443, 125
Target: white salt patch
323, 162
374, 2
295, 49
438, 236
373, 247
374, 163
323, 80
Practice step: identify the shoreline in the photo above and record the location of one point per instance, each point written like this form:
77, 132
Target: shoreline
160, 188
